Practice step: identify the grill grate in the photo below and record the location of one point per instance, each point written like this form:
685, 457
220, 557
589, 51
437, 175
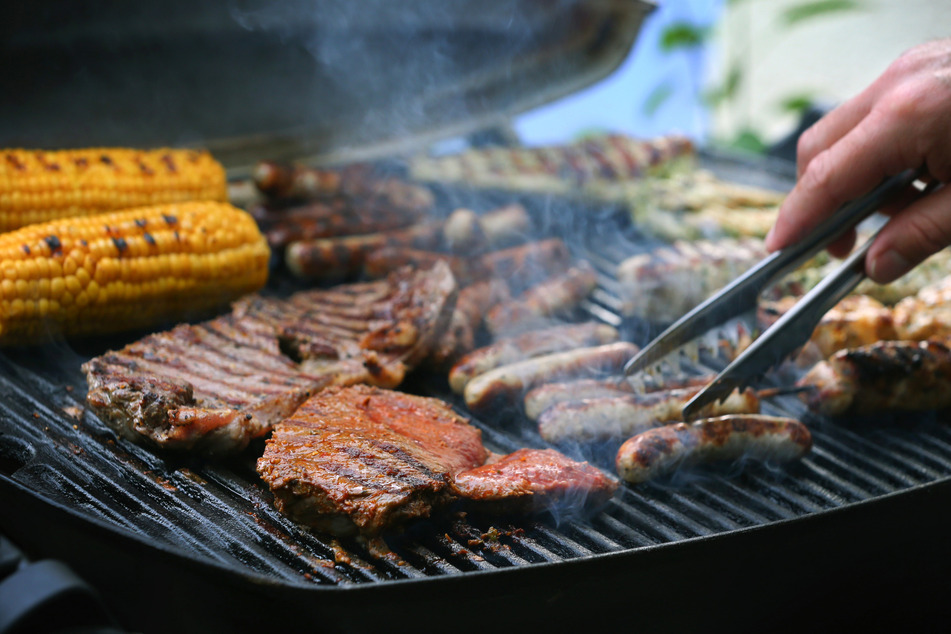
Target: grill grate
222, 513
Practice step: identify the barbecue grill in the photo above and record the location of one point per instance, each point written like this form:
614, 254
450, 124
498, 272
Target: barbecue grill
854, 534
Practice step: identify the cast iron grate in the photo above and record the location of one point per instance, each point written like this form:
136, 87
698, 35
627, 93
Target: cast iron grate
221, 513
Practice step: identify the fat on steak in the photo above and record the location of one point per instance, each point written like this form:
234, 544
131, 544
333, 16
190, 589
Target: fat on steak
213, 386
365, 459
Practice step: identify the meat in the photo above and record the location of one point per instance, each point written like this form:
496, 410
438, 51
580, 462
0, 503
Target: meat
661, 451
364, 459
617, 417
533, 480
881, 377
857, 320
527, 264
344, 256
926, 315
380, 263
527, 345
554, 297
544, 396
507, 384
663, 284
460, 337
467, 232
215, 385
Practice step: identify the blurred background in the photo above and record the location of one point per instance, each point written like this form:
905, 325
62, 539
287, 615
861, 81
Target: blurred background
741, 73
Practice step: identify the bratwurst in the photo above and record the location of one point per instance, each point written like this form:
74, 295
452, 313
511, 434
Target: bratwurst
658, 452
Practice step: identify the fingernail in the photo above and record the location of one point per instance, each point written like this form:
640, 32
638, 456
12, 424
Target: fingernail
889, 266
768, 240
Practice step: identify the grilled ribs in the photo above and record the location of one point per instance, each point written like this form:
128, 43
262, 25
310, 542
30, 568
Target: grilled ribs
215, 385
366, 459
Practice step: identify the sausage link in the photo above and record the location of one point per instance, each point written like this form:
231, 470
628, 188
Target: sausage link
526, 346
663, 450
508, 383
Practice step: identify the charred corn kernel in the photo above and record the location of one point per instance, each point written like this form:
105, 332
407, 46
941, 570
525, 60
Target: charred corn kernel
126, 270
38, 186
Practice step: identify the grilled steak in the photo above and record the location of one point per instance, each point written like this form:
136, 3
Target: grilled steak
366, 459
215, 385
532, 480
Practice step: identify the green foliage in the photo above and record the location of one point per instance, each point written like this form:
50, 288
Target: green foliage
727, 90
683, 35
797, 104
817, 8
748, 140
657, 97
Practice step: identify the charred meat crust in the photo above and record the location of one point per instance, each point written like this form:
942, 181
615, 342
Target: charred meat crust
365, 459
660, 451
886, 376
534, 480
213, 386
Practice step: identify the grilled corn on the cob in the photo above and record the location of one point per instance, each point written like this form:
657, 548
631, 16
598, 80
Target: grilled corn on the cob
37, 186
126, 269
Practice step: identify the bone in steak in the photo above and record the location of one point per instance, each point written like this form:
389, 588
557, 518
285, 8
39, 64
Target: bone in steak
365, 459
215, 385
532, 480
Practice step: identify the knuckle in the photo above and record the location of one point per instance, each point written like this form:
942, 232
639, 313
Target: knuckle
819, 176
925, 235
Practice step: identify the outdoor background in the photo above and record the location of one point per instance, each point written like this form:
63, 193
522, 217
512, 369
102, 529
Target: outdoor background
740, 72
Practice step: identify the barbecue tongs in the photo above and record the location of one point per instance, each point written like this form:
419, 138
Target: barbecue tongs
795, 327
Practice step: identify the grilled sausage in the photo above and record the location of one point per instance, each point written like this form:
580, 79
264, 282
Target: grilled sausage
344, 256
556, 296
617, 417
472, 304
383, 262
544, 396
885, 376
508, 383
661, 451
468, 232
526, 346
527, 264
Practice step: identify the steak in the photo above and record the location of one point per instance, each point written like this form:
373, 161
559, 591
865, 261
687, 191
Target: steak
533, 480
366, 459
214, 386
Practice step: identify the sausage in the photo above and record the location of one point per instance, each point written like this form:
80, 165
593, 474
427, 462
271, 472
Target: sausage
661, 451
527, 264
468, 232
472, 304
383, 262
618, 417
555, 296
344, 256
508, 383
544, 396
526, 346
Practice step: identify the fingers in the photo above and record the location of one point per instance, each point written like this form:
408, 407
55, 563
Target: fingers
831, 128
919, 230
842, 172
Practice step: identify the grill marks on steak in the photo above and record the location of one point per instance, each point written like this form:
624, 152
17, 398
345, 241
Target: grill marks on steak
365, 459
215, 385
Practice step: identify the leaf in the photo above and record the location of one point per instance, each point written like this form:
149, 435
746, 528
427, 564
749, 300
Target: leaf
809, 10
680, 35
749, 141
727, 90
657, 97
797, 104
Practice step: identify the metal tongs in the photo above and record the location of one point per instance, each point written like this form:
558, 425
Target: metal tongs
795, 327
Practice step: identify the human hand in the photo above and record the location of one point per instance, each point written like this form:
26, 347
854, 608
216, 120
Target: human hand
901, 121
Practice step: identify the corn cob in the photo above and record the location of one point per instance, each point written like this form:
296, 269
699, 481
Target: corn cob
37, 186
126, 270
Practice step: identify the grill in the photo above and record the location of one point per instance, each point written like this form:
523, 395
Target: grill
194, 545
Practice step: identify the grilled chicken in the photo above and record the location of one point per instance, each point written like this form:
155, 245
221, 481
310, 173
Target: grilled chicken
881, 377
